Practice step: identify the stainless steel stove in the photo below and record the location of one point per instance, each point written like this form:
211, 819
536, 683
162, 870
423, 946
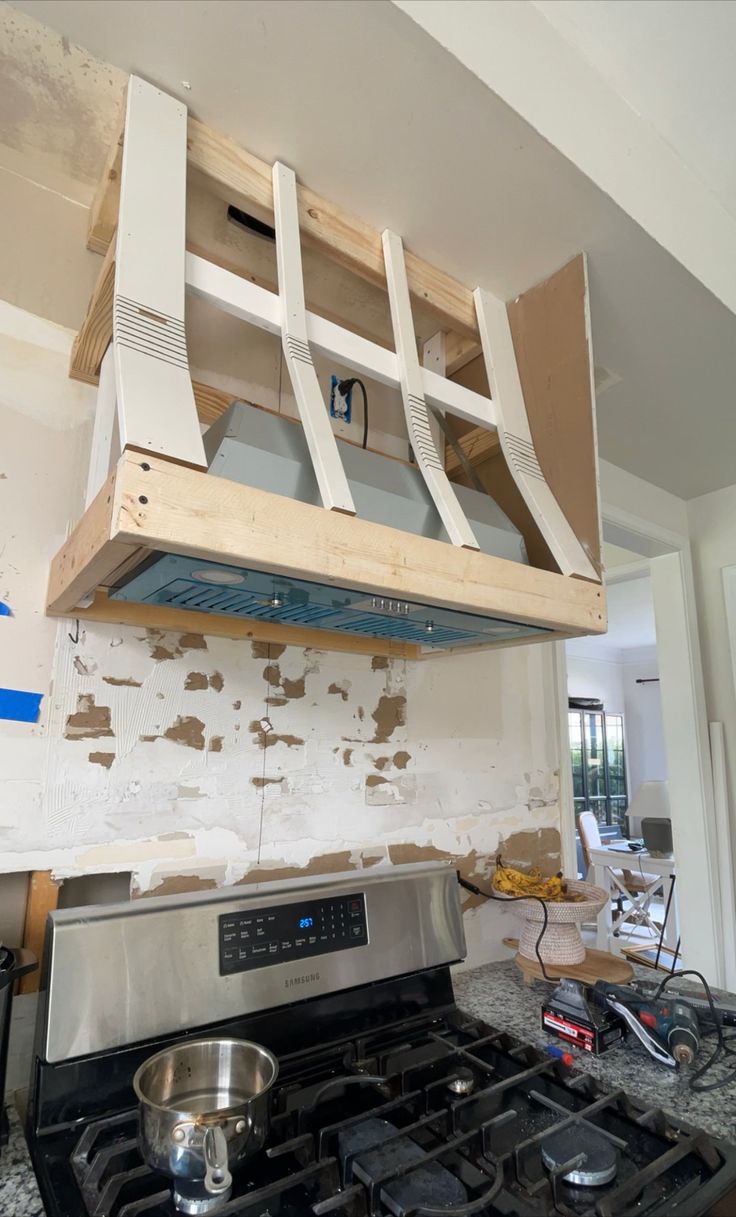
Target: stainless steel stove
390, 1100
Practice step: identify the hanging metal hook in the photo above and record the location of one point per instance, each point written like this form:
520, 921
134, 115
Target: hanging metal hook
75, 637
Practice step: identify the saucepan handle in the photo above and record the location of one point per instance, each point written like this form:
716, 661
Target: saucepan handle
217, 1177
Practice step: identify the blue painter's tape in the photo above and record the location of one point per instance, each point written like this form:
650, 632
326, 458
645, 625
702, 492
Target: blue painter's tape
5, 609
19, 706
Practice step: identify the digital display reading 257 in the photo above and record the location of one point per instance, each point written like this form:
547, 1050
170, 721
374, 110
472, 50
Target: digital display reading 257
255, 938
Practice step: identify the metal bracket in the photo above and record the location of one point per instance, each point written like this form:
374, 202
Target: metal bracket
156, 407
412, 393
516, 440
328, 467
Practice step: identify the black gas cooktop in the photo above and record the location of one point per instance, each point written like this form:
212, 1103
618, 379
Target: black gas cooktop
428, 1116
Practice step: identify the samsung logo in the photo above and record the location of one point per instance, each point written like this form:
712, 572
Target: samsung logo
306, 979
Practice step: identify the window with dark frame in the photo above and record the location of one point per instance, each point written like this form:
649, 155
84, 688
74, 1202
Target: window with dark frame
598, 762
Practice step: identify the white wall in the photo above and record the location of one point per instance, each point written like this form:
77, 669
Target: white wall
600, 678
646, 759
712, 520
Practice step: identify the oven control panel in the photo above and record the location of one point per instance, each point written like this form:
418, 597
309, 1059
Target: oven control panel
257, 938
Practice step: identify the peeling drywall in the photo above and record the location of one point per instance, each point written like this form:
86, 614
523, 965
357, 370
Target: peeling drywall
192, 762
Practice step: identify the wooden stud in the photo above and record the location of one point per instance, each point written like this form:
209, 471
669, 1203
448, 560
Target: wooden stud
211, 402
95, 334
90, 556
459, 350
173, 508
477, 445
103, 214
43, 897
240, 178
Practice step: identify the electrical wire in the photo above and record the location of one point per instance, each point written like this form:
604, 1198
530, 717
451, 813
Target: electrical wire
344, 388
476, 891
721, 1049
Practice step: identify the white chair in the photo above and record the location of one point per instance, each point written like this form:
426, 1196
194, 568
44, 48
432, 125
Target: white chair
590, 838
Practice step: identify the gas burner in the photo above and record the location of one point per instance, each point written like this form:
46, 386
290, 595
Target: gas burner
463, 1083
596, 1160
193, 1206
376, 1153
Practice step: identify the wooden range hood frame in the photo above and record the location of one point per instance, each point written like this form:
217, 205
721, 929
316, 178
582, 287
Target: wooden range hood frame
157, 496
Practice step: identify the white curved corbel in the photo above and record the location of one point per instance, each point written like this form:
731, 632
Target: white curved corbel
156, 407
412, 393
328, 468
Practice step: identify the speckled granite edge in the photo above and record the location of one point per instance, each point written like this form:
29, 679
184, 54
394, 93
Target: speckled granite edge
19, 1196
498, 994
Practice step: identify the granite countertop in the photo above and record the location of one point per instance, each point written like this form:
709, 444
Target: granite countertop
18, 1191
497, 993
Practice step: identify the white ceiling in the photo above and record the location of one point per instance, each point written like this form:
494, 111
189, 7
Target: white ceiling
674, 64
374, 114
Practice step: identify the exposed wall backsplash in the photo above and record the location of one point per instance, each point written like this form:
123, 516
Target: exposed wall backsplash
192, 761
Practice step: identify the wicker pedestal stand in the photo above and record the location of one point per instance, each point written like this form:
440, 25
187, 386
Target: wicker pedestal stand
562, 948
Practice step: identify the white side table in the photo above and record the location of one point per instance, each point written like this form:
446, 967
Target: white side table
606, 866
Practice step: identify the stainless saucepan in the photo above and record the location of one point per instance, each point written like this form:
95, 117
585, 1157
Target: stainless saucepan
204, 1107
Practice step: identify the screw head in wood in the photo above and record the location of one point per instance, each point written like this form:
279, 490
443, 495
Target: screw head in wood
142, 498
145, 467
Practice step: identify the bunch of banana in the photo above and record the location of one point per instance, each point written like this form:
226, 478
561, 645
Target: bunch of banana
512, 882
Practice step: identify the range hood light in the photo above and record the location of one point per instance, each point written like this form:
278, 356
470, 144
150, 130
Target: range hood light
429, 627
277, 600
217, 576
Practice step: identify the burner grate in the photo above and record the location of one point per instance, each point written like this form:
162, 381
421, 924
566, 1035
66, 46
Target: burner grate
376, 1128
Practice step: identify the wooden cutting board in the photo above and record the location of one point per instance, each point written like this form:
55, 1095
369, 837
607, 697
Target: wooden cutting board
597, 965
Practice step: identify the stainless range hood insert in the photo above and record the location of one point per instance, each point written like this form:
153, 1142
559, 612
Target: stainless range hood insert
268, 451
188, 583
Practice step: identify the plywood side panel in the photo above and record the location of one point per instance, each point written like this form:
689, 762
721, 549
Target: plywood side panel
43, 897
549, 325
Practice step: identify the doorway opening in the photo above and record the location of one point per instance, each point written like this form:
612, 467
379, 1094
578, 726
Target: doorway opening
663, 557
618, 762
